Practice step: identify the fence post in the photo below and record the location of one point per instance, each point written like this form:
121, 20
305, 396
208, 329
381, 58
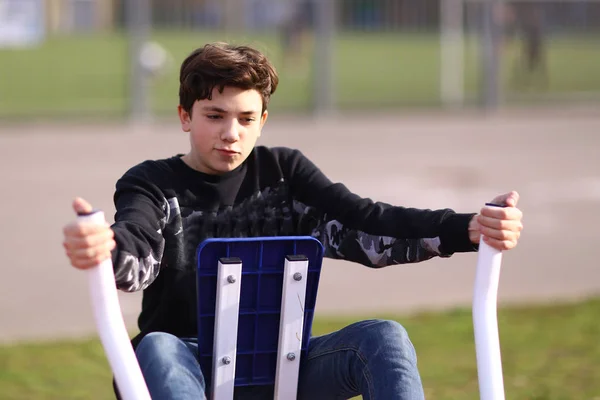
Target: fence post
139, 20
452, 53
233, 15
323, 100
490, 62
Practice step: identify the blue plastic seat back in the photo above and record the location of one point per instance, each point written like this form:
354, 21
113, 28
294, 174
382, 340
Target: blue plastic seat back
263, 260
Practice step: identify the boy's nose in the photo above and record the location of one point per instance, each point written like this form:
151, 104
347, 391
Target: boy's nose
231, 133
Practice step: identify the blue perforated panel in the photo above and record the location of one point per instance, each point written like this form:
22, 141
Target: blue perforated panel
263, 260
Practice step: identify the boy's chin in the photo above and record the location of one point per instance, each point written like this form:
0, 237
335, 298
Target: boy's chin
224, 168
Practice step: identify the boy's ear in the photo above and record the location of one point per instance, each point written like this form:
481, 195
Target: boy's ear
263, 119
185, 118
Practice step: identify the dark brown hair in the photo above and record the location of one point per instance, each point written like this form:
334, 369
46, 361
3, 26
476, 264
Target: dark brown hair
217, 65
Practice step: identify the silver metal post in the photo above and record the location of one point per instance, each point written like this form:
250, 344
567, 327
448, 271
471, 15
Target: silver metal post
490, 84
139, 20
324, 90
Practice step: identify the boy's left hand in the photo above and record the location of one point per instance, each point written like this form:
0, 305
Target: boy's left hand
500, 226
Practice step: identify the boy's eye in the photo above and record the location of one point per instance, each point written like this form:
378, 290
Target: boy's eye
213, 116
248, 119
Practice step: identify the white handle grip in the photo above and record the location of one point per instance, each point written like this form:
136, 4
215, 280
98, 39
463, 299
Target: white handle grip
485, 322
111, 327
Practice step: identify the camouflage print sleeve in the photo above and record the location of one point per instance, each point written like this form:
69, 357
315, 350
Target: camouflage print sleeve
373, 251
353, 245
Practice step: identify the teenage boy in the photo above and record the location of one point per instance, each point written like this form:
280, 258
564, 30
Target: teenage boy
226, 186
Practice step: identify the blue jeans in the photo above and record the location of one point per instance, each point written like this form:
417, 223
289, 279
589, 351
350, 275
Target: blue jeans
374, 358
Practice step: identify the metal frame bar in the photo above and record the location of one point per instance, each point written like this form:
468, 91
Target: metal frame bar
291, 327
229, 278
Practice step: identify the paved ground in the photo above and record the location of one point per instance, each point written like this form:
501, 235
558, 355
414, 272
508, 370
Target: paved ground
455, 160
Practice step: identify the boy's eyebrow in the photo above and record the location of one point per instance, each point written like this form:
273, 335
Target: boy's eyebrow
222, 110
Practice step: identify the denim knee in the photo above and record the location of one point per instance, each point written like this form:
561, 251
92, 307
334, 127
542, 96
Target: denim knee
170, 367
160, 348
150, 343
388, 336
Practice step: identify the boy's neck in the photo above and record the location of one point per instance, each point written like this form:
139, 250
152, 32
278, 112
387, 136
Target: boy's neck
212, 175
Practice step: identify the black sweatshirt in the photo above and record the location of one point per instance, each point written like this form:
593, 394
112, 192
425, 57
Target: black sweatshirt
165, 209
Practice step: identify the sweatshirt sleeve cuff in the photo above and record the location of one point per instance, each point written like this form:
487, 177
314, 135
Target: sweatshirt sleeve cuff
454, 236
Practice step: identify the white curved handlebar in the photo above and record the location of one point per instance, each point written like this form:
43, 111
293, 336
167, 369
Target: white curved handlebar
111, 327
485, 323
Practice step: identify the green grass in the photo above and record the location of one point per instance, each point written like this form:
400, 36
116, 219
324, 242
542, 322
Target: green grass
549, 353
87, 75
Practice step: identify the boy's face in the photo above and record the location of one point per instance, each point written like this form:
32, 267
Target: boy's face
223, 130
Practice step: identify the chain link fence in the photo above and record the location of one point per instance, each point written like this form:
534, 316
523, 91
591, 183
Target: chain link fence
120, 58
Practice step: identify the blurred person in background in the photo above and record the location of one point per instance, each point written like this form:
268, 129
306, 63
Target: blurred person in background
295, 20
531, 69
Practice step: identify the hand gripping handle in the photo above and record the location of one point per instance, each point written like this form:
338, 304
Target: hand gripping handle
111, 327
485, 322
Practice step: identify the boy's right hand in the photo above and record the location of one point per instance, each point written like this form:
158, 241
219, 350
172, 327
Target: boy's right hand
87, 244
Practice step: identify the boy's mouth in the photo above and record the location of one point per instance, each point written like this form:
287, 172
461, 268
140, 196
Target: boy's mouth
228, 152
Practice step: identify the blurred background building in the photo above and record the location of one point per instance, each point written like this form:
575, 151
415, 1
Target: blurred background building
119, 59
